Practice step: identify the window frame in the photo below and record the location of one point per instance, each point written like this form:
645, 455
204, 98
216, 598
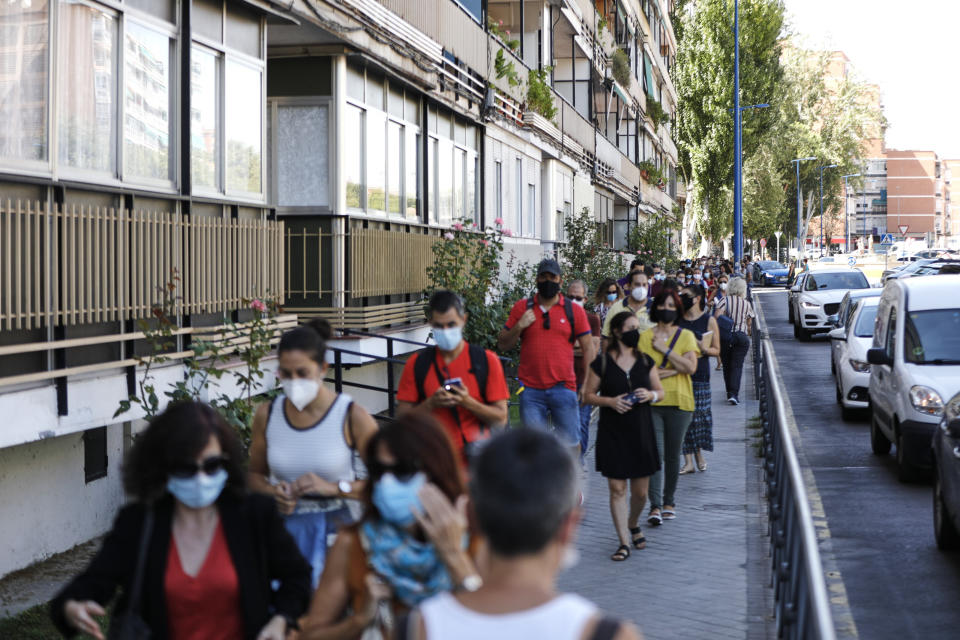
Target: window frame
273, 105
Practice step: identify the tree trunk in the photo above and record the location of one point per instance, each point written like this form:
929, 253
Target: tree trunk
726, 248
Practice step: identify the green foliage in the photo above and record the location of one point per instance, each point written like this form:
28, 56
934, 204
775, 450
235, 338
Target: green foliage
649, 240
656, 112
496, 28
539, 93
654, 174
601, 23
471, 262
621, 68
504, 68
585, 257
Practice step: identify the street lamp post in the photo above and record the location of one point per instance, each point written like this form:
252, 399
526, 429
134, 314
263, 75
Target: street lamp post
822, 167
797, 162
737, 155
846, 225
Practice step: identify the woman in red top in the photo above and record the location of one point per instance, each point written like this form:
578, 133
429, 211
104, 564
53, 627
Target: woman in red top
213, 552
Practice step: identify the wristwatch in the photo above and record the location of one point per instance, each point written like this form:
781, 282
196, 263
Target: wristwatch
471, 583
344, 486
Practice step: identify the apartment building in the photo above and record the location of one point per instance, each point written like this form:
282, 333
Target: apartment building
915, 195
309, 150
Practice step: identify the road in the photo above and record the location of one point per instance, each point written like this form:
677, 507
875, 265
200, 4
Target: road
898, 584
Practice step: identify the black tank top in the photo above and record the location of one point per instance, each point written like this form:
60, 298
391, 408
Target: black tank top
699, 327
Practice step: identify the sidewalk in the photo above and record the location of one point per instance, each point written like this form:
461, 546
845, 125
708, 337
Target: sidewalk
704, 574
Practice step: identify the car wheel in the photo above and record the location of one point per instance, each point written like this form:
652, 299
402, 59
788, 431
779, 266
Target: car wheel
802, 333
943, 529
906, 472
833, 365
839, 393
790, 313
878, 442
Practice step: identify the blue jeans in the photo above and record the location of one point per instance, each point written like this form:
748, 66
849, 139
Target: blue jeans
559, 404
732, 353
586, 410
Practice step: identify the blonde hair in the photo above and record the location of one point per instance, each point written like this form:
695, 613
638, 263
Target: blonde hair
737, 287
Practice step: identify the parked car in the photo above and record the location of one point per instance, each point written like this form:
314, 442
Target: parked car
793, 292
915, 364
904, 270
770, 273
928, 253
937, 267
946, 477
842, 316
849, 344
819, 295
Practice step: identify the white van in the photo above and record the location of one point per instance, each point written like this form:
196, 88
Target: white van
915, 366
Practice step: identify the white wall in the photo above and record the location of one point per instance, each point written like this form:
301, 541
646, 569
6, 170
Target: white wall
45, 506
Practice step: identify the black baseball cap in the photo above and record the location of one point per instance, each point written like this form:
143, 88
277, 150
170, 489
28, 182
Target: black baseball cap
549, 265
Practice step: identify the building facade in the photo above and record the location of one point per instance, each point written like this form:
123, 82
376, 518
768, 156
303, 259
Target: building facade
307, 150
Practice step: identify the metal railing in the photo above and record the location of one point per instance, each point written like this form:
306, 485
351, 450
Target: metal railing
802, 606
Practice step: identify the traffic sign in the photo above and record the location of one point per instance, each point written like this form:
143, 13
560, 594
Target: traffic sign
852, 261
903, 229
763, 242
886, 239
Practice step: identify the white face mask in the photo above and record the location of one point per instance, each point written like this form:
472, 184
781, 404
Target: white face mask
723, 286
300, 391
639, 293
697, 277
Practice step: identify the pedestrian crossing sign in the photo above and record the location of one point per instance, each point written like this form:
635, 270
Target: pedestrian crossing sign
886, 239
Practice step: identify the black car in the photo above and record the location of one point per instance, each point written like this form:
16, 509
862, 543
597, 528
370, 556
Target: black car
770, 273
946, 477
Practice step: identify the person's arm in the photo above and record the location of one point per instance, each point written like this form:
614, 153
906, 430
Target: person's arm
682, 363
492, 413
750, 315
408, 395
258, 471
445, 525
286, 567
713, 348
591, 387
510, 335
586, 345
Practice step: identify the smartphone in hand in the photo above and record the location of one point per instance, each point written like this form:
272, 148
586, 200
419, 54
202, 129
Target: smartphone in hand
452, 382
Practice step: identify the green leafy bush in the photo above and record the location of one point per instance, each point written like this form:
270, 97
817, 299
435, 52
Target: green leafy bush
584, 256
539, 93
621, 68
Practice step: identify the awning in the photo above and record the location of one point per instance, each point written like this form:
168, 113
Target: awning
648, 73
620, 92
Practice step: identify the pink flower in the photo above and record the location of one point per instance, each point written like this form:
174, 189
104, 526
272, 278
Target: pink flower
640, 252
474, 225
448, 235
258, 305
485, 243
458, 227
620, 253
498, 222
508, 233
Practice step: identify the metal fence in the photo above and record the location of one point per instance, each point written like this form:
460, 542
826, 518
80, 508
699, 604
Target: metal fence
802, 606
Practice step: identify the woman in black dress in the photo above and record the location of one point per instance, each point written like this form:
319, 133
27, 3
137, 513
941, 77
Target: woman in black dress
623, 382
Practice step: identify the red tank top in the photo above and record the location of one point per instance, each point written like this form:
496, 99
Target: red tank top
206, 607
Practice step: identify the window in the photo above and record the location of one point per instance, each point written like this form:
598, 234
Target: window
932, 337
459, 193
890, 344
302, 155
445, 166
473, 212
146, 107
498, 189
412, 188
432, 190
204, 136
519, 197
353, 157
86, 88
23, 90
94, 454
394, 167
531, 226
244, 105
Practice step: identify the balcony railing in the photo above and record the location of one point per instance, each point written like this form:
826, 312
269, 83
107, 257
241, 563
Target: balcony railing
74, 264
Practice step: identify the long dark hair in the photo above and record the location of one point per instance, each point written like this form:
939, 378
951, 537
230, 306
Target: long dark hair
174, 437
661, 298
600, 295
698, 291
311, 338
616, 324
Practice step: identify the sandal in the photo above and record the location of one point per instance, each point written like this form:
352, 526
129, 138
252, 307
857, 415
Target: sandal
702, 466
687, 469
669, 513
655, 519
639, 541
621, 554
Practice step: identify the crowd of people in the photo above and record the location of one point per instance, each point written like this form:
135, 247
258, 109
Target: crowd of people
442, 523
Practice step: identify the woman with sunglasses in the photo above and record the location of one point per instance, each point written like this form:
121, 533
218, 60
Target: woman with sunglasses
410, 544
606, 295
303, 445
219, 563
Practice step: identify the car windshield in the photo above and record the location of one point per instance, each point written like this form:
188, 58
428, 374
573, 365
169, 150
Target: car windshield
864, 328
846, 280
915, 266
771, 264
932, 337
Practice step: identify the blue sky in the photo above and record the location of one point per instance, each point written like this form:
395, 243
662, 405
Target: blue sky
910, 49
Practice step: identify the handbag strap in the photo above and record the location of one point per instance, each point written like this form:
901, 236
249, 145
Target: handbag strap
137, 587
666, 355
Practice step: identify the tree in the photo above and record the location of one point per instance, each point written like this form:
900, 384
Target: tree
584, 257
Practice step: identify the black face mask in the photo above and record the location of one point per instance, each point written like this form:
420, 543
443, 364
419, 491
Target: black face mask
666, 316
548, 289
687, 302
630, 338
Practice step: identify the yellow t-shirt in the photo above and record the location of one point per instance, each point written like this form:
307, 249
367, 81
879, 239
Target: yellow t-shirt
677, 389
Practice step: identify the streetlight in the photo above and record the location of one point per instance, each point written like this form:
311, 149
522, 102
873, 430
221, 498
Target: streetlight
797, 162
822, 167
738, 164
846, 226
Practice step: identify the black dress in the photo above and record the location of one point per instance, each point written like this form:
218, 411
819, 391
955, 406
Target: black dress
626, 446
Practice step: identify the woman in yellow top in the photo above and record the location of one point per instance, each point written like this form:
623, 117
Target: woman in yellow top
674, 351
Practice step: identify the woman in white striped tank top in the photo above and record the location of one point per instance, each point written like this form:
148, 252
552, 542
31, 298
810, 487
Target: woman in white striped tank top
304, 443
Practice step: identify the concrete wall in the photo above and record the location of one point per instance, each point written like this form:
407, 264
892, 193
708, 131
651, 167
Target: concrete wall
45, 506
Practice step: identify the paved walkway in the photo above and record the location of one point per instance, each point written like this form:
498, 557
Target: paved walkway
704, 574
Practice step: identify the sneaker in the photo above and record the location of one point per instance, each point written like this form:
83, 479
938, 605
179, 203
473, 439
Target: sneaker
733, 400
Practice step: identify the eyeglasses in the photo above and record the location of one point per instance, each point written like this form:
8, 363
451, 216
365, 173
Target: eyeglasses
209, 466
402, 470
613, 291
577, 298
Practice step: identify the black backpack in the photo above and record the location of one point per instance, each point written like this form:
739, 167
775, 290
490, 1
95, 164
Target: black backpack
479, 368
568, 308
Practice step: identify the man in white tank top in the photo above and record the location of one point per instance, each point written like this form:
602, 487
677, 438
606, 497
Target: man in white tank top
524, 493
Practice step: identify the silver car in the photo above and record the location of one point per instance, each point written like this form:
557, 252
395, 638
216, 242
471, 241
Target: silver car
818, 295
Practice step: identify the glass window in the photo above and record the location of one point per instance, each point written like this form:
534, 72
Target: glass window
355, 83
163, 9
459, 193
825, 281
395, 101
472, 211
445, 166
146, 103
498, 188
433, 199
353, 157
244, 98
531, 227
243, 29
302, 155
204, 137
473, 7
411, 109
518, 188
374, 90
23, 80
394, 167
87, 78
932, 337
375, 147
410, 167
864, 328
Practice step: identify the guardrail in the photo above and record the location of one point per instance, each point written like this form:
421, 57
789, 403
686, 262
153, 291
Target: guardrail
802, 606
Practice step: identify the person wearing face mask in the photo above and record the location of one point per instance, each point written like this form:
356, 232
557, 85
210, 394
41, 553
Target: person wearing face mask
194, 555
577, 293
635, 265
623, 382
303, 445
698, 319
717, 302
637, 303
675, 351
547, 325
607, 293
411, 544
461, 385
737, 312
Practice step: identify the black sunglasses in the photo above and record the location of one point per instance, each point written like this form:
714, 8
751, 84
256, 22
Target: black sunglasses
209, 466
402, 470
577, 298
546, 320
613, 291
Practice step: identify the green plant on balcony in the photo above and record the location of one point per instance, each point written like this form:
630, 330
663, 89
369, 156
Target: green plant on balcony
496, 28
655, 111
621, 68
585, 257
650, 172
649, 240
539, 94
505, 69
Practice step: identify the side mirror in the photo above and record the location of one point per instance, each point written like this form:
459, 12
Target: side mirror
795, 288
834, 319
879, 356
838, 334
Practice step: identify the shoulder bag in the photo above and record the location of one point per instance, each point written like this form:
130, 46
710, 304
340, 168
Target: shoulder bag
129, 625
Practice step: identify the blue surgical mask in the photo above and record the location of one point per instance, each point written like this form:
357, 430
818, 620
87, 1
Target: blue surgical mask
198, 490
396, 500
448, 339
612, 297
